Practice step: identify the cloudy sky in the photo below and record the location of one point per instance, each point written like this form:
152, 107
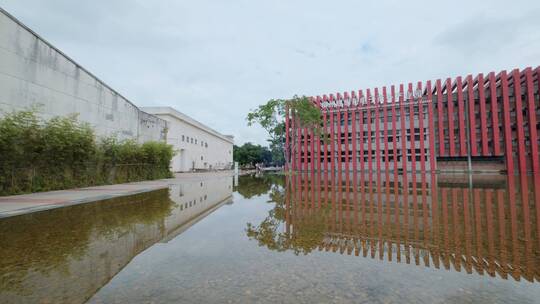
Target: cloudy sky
217, 59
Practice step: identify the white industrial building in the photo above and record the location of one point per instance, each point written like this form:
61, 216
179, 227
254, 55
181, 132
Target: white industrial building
197, 146
34, 72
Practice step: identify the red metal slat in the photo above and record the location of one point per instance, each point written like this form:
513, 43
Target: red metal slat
361, 132
346, 119
519, 121
339, 130
305, 167
533, 134
461, 118
368, 99
403, 130
394, 131
450, 103
332, 143
354, 131
472, 118
483, 119
440, 109
385, 134
298, 146
326, 139
287, 124
377, 131
421, 127
507, 124
494, 114
412, 141
312, 158
431, 130
318, 156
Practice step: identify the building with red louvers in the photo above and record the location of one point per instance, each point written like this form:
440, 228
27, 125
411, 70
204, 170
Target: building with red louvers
484, 122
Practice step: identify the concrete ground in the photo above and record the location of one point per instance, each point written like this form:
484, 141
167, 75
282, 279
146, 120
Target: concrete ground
28, 203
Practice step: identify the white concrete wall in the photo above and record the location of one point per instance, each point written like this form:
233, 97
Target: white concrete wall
218, 153
33, 72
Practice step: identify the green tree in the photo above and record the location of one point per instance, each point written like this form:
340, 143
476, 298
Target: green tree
271, 116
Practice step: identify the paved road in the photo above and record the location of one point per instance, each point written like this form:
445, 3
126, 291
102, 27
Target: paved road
27, 203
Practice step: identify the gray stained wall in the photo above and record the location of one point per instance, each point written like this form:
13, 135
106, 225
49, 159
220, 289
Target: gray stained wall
33, 72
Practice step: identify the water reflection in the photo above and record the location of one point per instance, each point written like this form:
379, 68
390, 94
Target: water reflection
65, 255
483, 224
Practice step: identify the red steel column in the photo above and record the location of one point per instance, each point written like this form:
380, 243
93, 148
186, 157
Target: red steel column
377, 131
312, 146
412, 143
532, 119
507, 124
385, 134
403, 131
394, 131
494, 114
450, 103
361, 131
440, 117
368, 108
346, 119
461, 118
305, 167
472, 118
318, 157
431, 126
298, 147
339, 129
483, 119
421, 127
287, 123
312, 156
293, 144
325, 137
354, 158
519, 121
332, 144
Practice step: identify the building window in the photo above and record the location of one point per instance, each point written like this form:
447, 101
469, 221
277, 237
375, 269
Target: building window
183, 138
206, 145
192, 140
201, 157
195, 141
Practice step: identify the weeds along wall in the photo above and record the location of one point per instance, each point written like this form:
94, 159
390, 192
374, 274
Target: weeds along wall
42, 155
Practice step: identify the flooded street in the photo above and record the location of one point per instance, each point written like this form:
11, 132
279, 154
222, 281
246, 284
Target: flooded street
306, 238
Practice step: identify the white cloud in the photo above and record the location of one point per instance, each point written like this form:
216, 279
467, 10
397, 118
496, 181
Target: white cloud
215, 60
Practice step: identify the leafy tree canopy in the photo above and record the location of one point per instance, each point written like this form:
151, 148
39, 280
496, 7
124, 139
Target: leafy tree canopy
271, 116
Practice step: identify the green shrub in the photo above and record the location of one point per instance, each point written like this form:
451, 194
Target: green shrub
42, 155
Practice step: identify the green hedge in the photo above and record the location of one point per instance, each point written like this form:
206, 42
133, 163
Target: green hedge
60, 153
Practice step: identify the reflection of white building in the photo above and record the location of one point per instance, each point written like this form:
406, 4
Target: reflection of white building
198, 146
109, 245
195, 200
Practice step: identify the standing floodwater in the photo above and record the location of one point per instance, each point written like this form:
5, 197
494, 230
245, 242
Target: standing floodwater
304, 238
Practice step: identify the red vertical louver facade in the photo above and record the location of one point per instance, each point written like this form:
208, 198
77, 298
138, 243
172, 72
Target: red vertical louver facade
481, 122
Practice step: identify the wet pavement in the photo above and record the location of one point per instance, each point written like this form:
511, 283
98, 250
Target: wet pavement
34, 202
307, 238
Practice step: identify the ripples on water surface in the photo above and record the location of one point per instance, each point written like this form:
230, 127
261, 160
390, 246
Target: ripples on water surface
306, 239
